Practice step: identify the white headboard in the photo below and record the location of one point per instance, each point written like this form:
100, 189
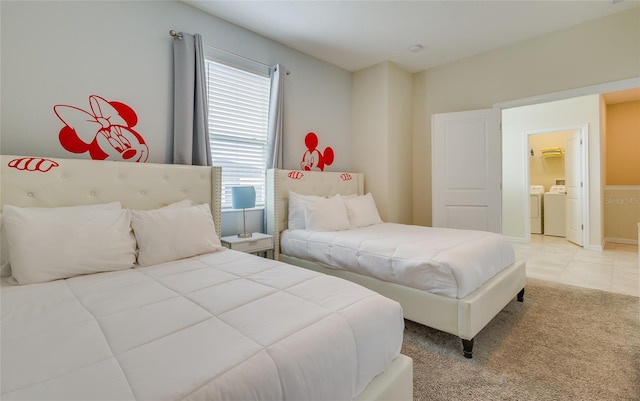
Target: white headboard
280, 182
28, 181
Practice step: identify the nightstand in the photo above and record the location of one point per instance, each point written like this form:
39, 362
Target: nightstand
258, 243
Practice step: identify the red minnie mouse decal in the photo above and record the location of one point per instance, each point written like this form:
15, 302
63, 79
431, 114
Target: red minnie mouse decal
312, 158
106, 132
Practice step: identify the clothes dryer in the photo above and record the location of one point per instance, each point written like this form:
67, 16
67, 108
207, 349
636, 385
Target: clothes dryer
537, 208
555, 211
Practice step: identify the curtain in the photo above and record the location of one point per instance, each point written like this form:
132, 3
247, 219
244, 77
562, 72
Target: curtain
190, 109
276, 108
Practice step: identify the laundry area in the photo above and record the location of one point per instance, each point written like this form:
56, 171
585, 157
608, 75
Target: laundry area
547, 183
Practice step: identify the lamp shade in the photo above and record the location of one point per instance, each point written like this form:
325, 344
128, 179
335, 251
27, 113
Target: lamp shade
243, 197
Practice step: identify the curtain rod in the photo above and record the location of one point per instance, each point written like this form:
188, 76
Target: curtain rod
178, 35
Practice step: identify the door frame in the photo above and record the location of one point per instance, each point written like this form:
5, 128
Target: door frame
584, 174
597, 89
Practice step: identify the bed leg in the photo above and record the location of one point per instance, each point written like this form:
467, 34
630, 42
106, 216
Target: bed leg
467, 348
521, 295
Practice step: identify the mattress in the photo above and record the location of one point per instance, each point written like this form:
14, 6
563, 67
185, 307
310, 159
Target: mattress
223, 326
443, 261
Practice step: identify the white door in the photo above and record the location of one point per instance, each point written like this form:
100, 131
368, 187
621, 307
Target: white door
466, 170
574, 183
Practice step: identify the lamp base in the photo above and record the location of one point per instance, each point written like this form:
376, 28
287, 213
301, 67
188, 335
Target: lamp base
245, 235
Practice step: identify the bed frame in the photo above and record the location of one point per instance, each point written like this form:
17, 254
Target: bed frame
28, 181
463, 317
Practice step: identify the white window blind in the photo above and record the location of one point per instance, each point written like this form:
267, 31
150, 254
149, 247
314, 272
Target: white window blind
238, 124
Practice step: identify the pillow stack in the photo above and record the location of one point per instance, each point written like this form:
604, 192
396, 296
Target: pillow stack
334, 213
45, 244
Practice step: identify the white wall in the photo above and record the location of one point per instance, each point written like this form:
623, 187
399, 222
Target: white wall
61, 52
600, 51
517, 124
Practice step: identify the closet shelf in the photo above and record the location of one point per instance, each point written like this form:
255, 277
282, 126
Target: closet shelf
552, 152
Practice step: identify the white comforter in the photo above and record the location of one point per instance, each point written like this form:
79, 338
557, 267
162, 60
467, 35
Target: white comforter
443, 261
222, 326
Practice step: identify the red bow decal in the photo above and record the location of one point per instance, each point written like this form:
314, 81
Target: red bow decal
295, 175
33, 164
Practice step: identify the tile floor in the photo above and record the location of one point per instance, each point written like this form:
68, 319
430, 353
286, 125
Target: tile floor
615, 269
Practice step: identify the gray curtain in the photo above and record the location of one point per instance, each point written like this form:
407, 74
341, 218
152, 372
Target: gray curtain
276, 109
190, 108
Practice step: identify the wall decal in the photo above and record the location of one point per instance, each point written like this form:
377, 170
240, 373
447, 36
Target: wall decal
106, 132
295, 175
312, 158
33, 164
346, 177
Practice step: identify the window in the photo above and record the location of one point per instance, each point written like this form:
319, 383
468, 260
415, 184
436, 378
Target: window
238, 124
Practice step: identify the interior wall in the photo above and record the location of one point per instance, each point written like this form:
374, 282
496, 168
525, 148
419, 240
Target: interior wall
544, 170
623, 144
382, 137
517, 124
370, 122
61, 52
582, 55
399, 144
622, 189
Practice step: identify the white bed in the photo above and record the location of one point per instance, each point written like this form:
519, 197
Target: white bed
454, 303
216, 325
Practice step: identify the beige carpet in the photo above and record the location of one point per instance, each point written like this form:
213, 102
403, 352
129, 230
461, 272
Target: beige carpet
561, 343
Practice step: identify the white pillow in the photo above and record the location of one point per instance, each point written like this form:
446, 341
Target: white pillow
168, 234
48, 244
326, 214
362, 210
297, 204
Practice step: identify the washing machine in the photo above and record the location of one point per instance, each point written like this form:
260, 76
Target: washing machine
537, 208
555, 211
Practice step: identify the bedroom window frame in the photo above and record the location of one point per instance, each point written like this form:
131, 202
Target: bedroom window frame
238, 92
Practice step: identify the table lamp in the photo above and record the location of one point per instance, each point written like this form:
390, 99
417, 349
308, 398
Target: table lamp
243, 198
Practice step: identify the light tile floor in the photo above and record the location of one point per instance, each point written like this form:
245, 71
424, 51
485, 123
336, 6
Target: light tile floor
615, 269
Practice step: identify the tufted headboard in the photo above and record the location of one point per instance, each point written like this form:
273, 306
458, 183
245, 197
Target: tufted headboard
51, 182
280, 182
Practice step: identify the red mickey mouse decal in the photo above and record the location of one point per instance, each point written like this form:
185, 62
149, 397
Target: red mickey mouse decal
312, 158
106, 132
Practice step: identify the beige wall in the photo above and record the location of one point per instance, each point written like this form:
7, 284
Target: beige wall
544, 170
622, 213
623, 144
381, 104
601, 51
622, 193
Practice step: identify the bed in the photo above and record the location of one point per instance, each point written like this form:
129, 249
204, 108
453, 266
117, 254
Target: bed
460, 311
118, 289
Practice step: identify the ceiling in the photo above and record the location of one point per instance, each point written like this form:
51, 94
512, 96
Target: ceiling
361, 33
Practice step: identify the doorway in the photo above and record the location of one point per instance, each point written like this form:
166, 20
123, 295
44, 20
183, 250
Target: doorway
556, 168
581, 114
515, 193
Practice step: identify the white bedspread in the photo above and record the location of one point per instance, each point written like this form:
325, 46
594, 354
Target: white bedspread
443, 261
222, 326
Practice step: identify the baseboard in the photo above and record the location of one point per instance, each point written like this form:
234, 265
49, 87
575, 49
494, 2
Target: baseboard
625, 241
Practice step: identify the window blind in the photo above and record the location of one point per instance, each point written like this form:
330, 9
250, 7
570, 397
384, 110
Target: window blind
238, 125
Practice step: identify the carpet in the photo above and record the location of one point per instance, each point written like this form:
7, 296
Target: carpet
561, 343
